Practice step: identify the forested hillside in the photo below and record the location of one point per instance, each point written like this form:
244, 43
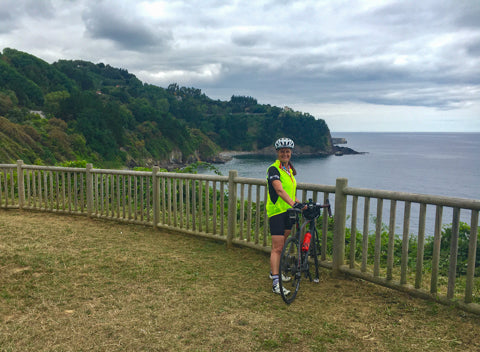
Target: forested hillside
77, 110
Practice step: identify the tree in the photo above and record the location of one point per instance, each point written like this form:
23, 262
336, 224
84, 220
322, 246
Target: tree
53, 101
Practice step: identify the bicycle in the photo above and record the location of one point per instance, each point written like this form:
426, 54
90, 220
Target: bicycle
295, 253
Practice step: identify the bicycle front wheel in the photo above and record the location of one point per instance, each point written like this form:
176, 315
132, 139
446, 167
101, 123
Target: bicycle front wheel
290, 270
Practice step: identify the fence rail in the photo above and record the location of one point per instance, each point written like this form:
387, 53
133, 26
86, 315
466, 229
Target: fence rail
426, 287
231, 209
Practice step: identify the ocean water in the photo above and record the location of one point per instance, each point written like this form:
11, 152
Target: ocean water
446, 164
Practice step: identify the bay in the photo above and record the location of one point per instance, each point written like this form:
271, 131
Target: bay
446, 164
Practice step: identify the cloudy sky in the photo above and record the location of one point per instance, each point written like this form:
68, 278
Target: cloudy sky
395, 65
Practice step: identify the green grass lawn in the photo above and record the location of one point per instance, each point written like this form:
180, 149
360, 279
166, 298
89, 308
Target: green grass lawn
75, 284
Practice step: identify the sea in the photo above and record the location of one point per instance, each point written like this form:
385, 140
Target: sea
446, 164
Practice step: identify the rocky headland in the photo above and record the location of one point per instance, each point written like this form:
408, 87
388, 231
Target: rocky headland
225, 156
176, 160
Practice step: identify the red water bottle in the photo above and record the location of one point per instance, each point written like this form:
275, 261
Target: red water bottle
306, 241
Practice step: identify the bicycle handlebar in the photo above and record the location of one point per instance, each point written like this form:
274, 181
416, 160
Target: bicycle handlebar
310, 204
326, 205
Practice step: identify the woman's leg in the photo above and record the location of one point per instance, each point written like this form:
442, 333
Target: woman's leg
277, 246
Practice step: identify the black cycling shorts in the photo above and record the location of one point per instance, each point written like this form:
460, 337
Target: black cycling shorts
279, 223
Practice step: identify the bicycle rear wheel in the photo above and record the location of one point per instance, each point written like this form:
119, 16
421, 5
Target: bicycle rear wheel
290, 267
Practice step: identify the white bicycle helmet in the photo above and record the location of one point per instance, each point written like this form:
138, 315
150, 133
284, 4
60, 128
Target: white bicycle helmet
284, 143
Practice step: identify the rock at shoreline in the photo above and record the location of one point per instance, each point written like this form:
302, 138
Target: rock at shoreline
344, 151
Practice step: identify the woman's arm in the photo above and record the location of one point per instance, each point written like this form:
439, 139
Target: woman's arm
277, 186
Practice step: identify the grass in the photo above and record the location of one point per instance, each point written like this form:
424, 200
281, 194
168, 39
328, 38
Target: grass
77, 284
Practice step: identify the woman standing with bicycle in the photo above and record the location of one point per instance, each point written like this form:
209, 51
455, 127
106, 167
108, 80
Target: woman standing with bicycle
282, 189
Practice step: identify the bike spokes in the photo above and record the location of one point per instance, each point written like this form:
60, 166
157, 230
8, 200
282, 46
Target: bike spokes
290, 270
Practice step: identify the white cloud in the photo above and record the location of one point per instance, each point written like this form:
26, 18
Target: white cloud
207, 73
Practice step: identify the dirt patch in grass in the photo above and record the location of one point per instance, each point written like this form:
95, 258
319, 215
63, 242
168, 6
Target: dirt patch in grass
75, 284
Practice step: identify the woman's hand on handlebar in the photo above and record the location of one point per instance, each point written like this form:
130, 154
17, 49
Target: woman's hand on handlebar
299, 206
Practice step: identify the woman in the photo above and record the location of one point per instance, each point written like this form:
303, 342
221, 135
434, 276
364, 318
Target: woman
282, 188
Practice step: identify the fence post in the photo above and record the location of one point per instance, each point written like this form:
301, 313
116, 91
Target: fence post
156, 197
232, 206
472, 249
89, 177
452, 270
21, 184
338, 254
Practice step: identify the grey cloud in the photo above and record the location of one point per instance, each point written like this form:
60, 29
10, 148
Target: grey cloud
37, 8
14, 11
435, 98
124, 29
469, 14
474, 49
7, 23
427, 16
374, 84
246, 39
404, 13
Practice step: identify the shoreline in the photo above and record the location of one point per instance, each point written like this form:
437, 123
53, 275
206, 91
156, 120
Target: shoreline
227, 155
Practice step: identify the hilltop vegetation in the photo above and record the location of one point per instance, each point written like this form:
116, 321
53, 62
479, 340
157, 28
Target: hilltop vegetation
71, 110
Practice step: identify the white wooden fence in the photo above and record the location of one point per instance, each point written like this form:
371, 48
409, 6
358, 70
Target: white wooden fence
231, 209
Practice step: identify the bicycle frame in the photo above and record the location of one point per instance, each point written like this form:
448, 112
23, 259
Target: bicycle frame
294, 260
312, 248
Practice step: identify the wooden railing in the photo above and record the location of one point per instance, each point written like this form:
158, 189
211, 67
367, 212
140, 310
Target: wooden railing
231, 209
402, 277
